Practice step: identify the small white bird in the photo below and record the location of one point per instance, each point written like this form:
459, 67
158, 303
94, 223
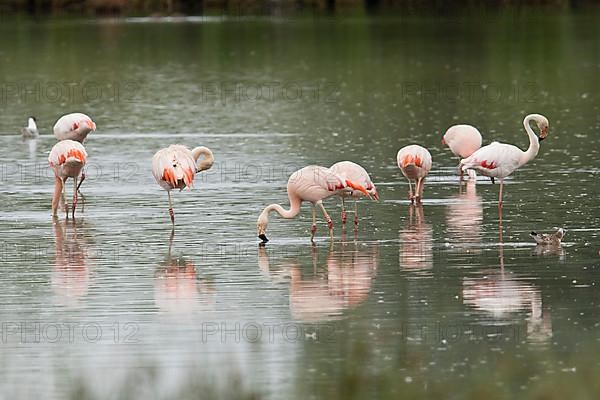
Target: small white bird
552, 239
66, 159
499, 160
176, 166
415, 162
30, 131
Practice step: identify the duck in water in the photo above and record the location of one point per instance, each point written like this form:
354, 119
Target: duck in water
551, 239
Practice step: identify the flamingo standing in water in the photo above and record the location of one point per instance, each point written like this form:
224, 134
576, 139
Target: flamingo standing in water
313, 184
67, 159
176, 166
356, 174
463, 140
74, 126
415, 163
499, 160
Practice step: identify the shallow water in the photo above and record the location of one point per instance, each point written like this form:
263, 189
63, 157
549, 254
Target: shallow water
438, 293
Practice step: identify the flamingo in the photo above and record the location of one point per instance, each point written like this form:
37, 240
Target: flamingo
463, 140
359, 175
550, 239
499, 160
312, 183
414, 162
31, 130
176, 166
67, 159
74, 126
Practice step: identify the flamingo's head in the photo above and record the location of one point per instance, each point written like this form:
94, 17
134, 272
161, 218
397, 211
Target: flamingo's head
374, 194
261, 227
86, 125
444, 143
543, 125
560, 233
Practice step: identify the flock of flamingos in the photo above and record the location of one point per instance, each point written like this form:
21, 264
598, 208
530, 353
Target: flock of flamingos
175, 167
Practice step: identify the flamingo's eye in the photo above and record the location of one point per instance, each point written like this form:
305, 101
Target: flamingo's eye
75, 125
174, 165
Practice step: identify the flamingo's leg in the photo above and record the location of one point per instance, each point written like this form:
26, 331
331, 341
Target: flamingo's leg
421, 187
81, 181
171, 212
355, 214
327, 218
418, 191
313, 228
64, 196
74, 195
344, 216
500, 196
58, 186
410, 192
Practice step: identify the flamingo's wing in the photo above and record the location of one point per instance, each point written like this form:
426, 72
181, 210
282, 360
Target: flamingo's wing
67, 150
495, 159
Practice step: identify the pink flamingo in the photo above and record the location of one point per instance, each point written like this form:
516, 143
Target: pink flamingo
499, 160
356, 174
74, 126
415, 163
313, 184
67, 159
176, 166
463, 140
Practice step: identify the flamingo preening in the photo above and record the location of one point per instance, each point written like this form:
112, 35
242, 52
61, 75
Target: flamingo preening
67, 159
357, 174
313, 184
74, 126
30, 131
176, 166
463, 140
499, 160
415, 163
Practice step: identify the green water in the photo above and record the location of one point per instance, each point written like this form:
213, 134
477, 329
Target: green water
433, 301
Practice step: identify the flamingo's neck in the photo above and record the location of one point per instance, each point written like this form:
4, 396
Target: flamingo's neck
31, 124
534, 143
291, 213
208, 158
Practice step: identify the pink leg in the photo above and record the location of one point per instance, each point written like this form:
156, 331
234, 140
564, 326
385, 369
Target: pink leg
74, 195
328, 219
500, 196
313, 228
355, 215
171, 212
58, 185
344, 215
410, 192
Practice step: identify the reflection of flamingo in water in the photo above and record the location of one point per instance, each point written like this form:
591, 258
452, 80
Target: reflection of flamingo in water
416, 241
324, 296
500, 297
177, 288
465, 216
71, 276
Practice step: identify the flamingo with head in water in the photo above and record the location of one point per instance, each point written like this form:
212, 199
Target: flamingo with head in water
176, 166
74, 126
67, 158
499, 160
463, 140
357, 174
30, 131
415, 163
312, 184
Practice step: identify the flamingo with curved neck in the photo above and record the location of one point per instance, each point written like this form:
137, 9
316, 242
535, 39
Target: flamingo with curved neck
499, 160
176, 166
312, 184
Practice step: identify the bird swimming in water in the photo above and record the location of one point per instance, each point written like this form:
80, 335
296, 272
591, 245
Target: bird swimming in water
552, 239
30, 131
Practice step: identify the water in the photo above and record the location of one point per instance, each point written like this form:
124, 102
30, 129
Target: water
422, 300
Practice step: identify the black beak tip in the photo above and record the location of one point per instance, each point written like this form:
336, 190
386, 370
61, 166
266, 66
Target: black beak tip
263, 237
541, 139
533, 233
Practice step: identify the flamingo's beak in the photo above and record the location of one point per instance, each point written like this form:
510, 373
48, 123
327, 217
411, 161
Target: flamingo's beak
263, 237
91, 124
375, 196
360, 188
543, 134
